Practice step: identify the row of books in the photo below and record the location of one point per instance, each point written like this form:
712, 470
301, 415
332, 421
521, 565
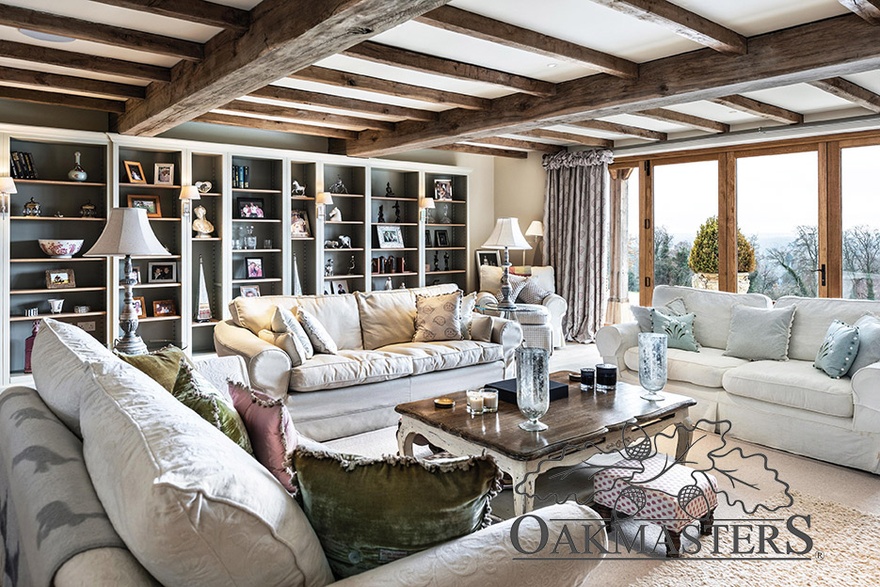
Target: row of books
241, 176
22, 165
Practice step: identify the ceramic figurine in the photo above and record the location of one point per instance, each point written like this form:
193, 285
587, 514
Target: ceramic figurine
77, 173
344, 241
328, 268
296, 189
351, 265
87, 210
388, 283
388, 191
338, 187
436, 261
201, 225
445, 219
381, 217
331, 244
31, 208
335, 215
396, 207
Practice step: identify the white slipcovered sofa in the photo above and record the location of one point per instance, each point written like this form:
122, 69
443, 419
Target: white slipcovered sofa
377, 366
788, 405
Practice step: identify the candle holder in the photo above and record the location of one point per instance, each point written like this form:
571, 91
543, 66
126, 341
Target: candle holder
606, 378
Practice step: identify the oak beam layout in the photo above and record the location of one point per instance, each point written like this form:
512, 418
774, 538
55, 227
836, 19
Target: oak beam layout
277, 125
58, 99
849, 91
209, 13
867, 9
68, 82
294, 96
621, 129
519, 144
570, 137
475, 150
762, 109
306, 116
676, 117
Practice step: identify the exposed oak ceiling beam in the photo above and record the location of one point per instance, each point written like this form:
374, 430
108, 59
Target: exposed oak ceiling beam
284, 36
520, 144
849, 91
306, 116
276, 125
58, 99
330, 101
867, 9
106, 34
474, 25
686, 119
682, 22
762, 109
84, 62
68, 82
622, 129
827, 48
569, 137
389, 88
209, 13
474, 150
387, 55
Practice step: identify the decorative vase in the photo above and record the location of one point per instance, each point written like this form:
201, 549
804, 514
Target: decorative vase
652, 364
532, 386
77, 173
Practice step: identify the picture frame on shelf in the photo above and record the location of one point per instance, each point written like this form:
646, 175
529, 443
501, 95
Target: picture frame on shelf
490, 258
250, 207
140, 306
390, 236
162, 272
249, 291
149, 203
328, 288
164, 308
338, 287
441, 238
60, 279
163, 174
299, 224
429, 242
253, 267
135, 172
136, 274
443, 189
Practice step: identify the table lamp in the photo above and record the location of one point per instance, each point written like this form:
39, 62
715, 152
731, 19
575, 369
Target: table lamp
188, 193
506, 235
323, 199
536, 229
425, 204
128, 233
7, 186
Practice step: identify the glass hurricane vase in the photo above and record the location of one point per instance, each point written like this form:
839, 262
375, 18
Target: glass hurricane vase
532, 386
652, 364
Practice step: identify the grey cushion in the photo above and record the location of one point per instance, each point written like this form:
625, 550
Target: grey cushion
321, 340
643, 314
841, 344
869, 342
678, 329
757, 334
533, 292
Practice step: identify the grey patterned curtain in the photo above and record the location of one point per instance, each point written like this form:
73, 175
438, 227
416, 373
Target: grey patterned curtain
576, 241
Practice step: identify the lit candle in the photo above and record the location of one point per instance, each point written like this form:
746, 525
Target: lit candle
475, 401
490, 400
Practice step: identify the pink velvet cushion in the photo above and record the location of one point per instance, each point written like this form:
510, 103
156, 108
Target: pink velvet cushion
269, 427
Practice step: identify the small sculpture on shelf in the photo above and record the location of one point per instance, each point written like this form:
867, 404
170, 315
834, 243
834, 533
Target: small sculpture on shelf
436, 261
204, 187
396, 207
351, 266
77, 173
446, 261
445, 219
338, 187
201, 225
388, 283
32, 208
402, 285
331, 244
388, 191
250, 239
335, 215
381, 216
328, 268
296, 189
87, 210
344, 241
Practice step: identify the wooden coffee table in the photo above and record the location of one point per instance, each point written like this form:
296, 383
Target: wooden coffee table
579, 426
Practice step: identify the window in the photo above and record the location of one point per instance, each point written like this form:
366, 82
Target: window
860, 215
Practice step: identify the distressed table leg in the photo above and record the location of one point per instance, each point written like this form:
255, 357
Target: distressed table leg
685, 435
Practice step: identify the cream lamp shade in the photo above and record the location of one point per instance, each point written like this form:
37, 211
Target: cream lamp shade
7, 185
426, 203
507, 235
324, 198
127, 232
190, 192
536, 228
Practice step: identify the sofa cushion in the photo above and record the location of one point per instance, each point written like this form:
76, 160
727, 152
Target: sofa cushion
348, 368
321, 340
468, 305
422, 504
193, 509
438, 317
449, 354
705, 368
60, 375
339, 315
300, 347
387, 317
841, 344
678, 329
869, 342
815, 315
792, 383
256, 314
162, 366
643, 314
533, 292
760, 334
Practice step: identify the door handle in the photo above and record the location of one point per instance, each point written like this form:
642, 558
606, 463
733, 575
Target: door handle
821, 271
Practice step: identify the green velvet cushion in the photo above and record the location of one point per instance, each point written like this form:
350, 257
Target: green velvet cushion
370, 512
197, 393
678, 329
162, 366
838, 350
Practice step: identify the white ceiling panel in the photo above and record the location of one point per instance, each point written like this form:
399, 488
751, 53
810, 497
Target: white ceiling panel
314, 108
347, 92
755, 17
869, 80
644, 122
802, 98
717, 112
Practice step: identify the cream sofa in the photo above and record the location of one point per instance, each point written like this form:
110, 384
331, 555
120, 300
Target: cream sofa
377, 366
788, 405
111, 481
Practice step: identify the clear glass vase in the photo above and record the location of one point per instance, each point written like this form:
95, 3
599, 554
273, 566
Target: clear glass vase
532, 386
652, 364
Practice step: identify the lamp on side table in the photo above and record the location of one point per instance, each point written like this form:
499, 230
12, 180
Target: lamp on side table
506, 235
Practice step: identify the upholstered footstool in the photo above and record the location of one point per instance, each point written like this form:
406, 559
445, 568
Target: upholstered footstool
659, 491
534, 319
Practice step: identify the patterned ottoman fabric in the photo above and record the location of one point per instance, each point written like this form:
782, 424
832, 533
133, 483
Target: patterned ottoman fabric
657, 489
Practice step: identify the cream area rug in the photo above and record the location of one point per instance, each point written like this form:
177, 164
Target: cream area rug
844, 554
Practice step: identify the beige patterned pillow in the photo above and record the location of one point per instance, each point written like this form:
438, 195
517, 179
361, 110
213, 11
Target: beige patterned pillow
438, 317
517, 283
318, 335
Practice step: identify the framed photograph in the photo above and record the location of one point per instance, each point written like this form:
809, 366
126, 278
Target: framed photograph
299, 224
162, 272
140, 306
441, 238
338, 286
390, 236
136, 274
249, 291
328, 288
163, 173
60, 279
164, 308
250, 207
254, 267
491, 258
428, 242
442, 189
135, 172
149, 203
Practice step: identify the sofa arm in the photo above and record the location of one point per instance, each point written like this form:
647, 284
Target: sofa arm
485, 297
507, 333
488, 558
557, 306
866, 400
267, 365
218, 370
613, 341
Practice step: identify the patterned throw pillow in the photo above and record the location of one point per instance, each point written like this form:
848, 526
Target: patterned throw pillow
318, 335
270, 429
162, 366
298, 345
438, 317
643, 314
423, 504
517, 283
197, 393
758, 334
838, 350
532, 292
678, 329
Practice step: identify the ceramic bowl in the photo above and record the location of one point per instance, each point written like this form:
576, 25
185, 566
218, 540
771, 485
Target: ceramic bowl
61, 248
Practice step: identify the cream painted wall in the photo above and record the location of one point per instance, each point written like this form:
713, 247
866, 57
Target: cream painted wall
519, 192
